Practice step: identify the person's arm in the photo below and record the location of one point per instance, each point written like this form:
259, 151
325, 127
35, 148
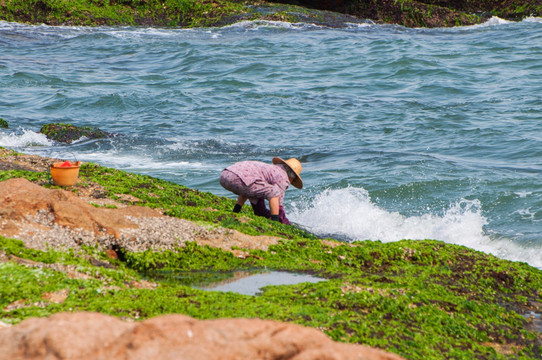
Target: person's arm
274, 208
274, 205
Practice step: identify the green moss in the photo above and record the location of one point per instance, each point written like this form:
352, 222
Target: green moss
68, 133
8, 152
107, 206
104, 12
3, 124
33, 176
203, 13
180, 201
420, 299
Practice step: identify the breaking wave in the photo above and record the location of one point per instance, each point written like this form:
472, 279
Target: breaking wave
349, 214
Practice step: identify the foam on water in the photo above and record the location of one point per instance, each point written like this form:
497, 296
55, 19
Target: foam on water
267, 24
133, 160
349, 214
494, 21
23, 138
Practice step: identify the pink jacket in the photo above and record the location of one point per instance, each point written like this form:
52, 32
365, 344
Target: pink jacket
272, 179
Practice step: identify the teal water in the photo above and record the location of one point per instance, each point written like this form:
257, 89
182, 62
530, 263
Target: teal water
403, 133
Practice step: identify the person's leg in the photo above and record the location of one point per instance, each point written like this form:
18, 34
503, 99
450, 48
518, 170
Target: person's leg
259, 208
282, 216
233, 183
241, 199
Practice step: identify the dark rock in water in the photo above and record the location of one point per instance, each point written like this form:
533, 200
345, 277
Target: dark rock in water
3, 124
426, 13
68, 133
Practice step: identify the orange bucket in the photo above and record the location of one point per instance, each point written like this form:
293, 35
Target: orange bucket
65, 175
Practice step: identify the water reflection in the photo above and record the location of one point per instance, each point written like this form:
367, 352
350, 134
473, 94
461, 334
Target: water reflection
251, 284
246, 282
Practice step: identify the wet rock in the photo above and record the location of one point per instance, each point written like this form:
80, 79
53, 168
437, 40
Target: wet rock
68, 133
426, 13
3, 124
96, 336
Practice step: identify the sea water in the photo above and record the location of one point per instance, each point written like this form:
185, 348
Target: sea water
402, 133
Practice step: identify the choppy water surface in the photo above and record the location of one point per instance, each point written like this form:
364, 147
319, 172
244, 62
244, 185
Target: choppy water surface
403, 133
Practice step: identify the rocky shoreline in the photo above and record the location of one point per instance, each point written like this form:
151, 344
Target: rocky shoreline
204, 13
41, 217
416, 299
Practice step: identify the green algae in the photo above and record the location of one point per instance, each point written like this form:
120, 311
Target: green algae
3, 124
38, 177
178, 13
407, 301
180, 201
68, 133
205, 13
419, 299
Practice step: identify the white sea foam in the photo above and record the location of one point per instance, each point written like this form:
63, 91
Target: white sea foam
493, 21
129, 33
23, 138
367, 23
177, 144
526, 213
533, 19
350, 214
496, 21
137, 161
523, 194
267, 24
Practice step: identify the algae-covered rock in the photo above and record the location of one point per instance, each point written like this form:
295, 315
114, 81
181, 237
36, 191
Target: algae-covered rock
68, 133
189, 13
428, 13
3, 123
420, 299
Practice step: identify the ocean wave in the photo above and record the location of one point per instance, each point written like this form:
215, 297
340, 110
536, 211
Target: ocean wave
182, 146
268, 24
42, 32
23, 138
349, 214
494, 21
138, 161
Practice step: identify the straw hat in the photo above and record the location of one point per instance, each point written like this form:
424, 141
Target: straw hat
296, 167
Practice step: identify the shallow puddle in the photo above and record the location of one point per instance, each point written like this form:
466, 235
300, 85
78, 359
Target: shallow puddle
246, 282
535, 322
251, 284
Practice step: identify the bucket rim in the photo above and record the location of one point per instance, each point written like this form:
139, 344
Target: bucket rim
56, 165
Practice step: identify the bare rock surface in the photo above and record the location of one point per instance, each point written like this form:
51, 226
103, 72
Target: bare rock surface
67, 336
55, 217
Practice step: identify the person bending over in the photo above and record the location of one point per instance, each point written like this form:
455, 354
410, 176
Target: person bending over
258, 181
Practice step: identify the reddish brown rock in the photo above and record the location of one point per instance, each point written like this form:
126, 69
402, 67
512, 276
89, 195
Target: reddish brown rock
96, 336
20, 197
62, 336
42, 217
